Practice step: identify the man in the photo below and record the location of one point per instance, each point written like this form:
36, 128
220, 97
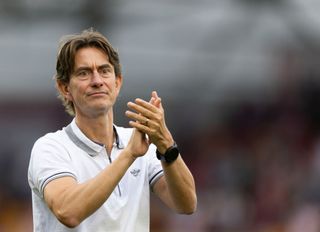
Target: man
93, 175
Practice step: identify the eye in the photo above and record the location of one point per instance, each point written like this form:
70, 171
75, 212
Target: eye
83, 74
105, 71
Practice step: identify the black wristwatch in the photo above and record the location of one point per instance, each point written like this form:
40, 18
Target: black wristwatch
170, 155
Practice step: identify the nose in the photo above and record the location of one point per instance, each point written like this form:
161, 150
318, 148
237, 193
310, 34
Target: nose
96, 79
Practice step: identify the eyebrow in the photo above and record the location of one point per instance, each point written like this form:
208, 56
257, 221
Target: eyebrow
81, 68
105, 66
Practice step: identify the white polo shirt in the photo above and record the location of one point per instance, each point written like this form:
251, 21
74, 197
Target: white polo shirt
68, 152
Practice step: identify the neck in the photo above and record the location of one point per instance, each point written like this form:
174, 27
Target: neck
99, 129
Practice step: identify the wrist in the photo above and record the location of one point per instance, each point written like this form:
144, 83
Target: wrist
170, 155
166, 145
128, 154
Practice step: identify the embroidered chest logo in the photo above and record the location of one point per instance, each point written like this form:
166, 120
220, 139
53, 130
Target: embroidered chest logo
135, 172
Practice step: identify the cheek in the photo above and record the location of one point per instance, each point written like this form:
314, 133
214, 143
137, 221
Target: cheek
111, 85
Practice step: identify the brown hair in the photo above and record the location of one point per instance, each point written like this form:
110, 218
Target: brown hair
68, 48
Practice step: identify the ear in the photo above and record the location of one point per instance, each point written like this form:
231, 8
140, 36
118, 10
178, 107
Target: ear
63, 88
118, 83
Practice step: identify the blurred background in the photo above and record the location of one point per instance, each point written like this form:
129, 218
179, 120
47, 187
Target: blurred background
240, 83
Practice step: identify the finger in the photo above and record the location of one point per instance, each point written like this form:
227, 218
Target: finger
141, 110
157, 99
154, 94
146, 105
157, 102
138, 117
140, 127
152, 99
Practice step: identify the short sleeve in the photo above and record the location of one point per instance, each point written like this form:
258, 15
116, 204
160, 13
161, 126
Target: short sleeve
49, 160
155, 167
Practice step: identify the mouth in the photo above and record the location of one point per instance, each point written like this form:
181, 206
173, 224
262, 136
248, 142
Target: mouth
99, 93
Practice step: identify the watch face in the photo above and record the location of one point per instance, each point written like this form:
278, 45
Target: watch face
172, 154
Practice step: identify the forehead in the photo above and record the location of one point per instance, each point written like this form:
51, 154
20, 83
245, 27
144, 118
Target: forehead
89, 56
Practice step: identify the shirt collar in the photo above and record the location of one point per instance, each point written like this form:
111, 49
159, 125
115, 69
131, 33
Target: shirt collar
86, 144
119, 142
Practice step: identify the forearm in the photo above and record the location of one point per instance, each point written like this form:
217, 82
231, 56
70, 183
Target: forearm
177, 187
78, 201
180, 186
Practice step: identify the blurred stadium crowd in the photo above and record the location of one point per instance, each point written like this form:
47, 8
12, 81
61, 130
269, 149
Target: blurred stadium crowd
246, 114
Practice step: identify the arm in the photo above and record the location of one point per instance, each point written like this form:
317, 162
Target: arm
176, 188
72, 202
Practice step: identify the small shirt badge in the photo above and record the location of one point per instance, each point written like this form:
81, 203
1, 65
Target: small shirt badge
135, 172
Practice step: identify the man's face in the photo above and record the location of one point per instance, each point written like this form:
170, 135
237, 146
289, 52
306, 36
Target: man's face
93, 86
